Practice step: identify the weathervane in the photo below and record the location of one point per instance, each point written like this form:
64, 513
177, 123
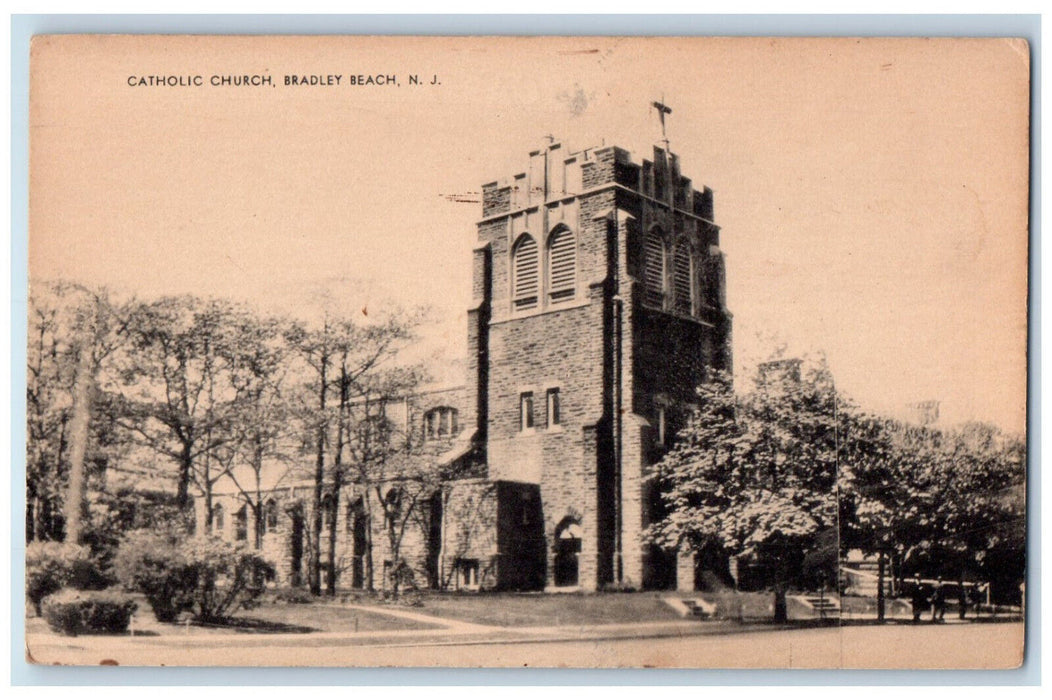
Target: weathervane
662, 109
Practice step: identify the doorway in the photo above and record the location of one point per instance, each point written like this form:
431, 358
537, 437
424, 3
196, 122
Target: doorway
567, 553
296, 548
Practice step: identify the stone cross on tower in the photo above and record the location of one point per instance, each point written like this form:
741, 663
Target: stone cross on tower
662, 110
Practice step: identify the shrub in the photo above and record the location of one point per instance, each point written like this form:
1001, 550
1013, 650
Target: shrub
77, 612
151, 562
294, 596
229, 576
49, 567
111, 515
206, 575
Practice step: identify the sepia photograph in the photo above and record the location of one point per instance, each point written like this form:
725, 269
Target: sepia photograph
576, 352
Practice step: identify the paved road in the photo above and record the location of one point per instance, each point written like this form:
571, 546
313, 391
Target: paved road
893, 646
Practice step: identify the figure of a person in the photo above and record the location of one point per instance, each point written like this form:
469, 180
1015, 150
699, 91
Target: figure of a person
938, 601
920, 598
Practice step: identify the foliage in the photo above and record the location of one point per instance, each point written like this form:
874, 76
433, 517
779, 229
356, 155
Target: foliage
112, 515
72, 332
750, 472
74, 612
189, 391
152, 563
756, 474
206, 575
229, 576
767, 472
293, 596
49, 567
182, 394
347, 381
947, 502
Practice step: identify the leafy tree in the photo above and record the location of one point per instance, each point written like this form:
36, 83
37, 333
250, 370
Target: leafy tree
348, 364
176, 398
874, 489
48, 411
259, 368
756, 474
945, 501
73, 330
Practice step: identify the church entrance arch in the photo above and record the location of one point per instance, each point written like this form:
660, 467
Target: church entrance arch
567, 552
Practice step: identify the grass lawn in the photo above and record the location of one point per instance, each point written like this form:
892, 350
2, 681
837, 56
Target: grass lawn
541, 610
732, 605
861, 605
278, 617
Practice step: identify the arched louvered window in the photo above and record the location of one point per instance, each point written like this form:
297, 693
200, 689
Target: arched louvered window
525, 277
683, 277
562, 265
654, 269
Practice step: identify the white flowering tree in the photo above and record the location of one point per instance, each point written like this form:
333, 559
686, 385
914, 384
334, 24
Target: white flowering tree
754, 474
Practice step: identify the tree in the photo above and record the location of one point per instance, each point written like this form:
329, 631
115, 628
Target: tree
48, 410
73, 331
756, 474
880, 498
176, 398
948, 501
258, 361
384, 463
344, 361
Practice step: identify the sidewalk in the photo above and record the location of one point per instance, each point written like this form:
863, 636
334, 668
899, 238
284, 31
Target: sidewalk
152, 641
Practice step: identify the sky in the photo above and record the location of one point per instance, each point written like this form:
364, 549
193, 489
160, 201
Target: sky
871, 194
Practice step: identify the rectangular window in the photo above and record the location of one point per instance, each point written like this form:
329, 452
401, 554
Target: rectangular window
467, 573
553, 407
661, 425
526, 410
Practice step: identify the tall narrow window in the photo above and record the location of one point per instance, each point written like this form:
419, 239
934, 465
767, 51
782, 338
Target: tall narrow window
661, 425
562, 265
241, 523
654, 269
683, 278
271, 520
328, 510
526, 410
525, 277
217, 518
553, 407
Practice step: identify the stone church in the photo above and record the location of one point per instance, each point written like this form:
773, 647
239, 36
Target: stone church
598, 306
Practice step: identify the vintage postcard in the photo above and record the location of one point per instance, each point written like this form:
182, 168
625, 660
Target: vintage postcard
576, 352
